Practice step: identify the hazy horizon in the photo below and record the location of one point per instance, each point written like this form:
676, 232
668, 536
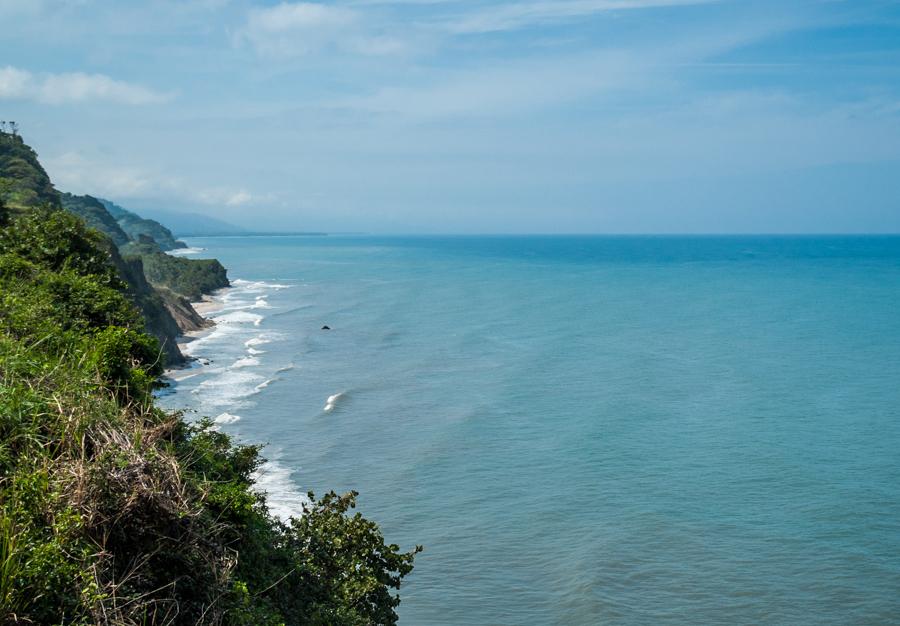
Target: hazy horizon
486, 117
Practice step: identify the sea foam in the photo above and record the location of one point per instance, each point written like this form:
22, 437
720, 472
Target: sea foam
332, 400
282, 496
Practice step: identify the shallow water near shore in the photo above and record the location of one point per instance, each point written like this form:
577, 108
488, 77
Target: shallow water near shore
581, 430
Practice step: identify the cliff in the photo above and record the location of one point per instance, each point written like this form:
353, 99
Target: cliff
135, 226
23, 181
113, 511
95, 215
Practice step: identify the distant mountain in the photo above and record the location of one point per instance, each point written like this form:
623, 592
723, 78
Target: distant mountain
194, 224
134, 226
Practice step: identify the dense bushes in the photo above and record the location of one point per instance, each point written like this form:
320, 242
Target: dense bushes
190, 278
115, 512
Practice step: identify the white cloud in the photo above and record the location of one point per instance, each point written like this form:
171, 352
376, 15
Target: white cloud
300, 28
523, 14
18, 84
228, 197
74, 172
509, 88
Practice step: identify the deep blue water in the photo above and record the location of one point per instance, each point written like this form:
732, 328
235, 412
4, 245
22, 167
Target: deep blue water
583, 430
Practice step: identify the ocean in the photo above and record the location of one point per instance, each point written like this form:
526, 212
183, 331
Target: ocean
581, 430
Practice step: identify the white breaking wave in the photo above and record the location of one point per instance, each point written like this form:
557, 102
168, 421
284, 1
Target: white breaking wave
185, 251
228, 389
227, 418
286, 368
239, 317
192, 347
258, 341
282, 496
258, 285
332, 400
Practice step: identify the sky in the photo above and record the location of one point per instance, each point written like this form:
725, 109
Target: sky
468, 116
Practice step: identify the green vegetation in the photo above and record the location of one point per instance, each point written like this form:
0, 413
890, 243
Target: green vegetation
164, 305
190, 278
95, 215
113, 511
135, 226
23, 182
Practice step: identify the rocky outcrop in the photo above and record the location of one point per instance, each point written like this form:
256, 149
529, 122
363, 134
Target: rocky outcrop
181, 310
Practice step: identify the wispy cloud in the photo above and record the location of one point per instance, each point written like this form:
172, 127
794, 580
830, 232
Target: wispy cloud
18, 84
517, 15
508, 88
74, 172
300, 28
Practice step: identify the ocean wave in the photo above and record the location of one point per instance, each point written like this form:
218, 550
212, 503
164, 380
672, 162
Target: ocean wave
185, 251
261, 303
229, 389
255, 352
191, 348
258, 341
247, 361
332, 400
239, 317
257, 285
282, 496
286, 368
227, 418
265, 384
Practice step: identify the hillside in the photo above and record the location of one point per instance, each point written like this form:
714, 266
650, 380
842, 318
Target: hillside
176, 281
115, 512
134, 226
23, 181
27, 188
95, 215
189, 278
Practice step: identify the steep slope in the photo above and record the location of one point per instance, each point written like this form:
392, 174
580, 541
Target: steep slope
157, 280
23, 181
190, 278
95, 215
135, 226
26, 188
115, 513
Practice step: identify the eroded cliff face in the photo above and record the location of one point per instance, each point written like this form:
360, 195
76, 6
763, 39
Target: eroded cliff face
152, 304
182, 312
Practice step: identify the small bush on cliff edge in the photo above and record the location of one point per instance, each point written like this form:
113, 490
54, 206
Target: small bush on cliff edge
115, 512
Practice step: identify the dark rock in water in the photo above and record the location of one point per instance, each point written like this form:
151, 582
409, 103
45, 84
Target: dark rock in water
326, 327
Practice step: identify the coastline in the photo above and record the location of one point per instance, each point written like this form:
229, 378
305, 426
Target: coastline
205, 308
231, 310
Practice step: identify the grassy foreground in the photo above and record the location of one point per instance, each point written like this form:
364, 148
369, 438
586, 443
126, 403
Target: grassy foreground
113, 511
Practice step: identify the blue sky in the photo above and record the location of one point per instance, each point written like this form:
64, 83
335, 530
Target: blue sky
469, 115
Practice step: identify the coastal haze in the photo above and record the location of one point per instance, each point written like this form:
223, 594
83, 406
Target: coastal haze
400, 116
596, 300
581, 430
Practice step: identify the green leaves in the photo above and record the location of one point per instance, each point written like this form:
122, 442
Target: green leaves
112, 511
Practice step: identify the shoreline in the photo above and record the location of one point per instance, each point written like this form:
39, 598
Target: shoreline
205, 308
285, 498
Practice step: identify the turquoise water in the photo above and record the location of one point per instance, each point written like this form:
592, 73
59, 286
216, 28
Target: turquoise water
583, 430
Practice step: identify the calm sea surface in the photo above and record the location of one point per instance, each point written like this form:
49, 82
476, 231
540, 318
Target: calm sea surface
582, 430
